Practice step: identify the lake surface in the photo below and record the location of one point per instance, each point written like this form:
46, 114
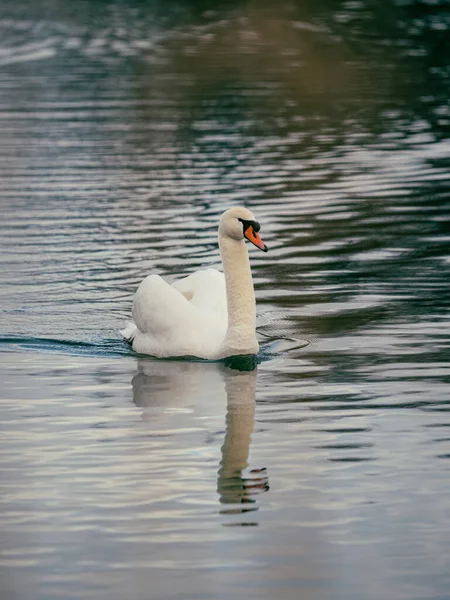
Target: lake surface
127, 128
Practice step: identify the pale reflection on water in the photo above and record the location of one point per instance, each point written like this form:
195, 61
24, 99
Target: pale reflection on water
167, 390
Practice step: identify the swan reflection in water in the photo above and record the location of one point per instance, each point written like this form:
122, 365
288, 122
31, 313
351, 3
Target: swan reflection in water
183, 391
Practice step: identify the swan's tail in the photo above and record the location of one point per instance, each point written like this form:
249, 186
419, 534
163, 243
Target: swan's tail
129, 331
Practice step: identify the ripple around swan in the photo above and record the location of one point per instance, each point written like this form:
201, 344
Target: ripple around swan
126, 130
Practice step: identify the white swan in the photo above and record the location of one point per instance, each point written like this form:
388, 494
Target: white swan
210, 315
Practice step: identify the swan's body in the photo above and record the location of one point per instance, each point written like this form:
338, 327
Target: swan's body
209, 314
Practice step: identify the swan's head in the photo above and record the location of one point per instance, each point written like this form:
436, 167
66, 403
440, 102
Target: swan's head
239, 223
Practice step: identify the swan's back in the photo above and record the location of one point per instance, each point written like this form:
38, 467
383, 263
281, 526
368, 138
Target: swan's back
206, 290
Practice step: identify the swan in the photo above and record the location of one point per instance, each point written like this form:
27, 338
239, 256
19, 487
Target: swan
209, 314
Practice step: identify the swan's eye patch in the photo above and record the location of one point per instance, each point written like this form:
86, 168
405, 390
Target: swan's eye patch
250, 231
253, 224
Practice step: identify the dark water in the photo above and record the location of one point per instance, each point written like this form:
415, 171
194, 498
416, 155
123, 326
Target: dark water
126, 129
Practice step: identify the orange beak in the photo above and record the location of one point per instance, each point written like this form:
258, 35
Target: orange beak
254, 238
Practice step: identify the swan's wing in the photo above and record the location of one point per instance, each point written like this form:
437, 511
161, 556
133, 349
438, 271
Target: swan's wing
185, 286
199, 282
206, 290
159, 308
170, 325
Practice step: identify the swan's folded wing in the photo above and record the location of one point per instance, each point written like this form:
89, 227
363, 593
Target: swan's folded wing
206, 290
158, 307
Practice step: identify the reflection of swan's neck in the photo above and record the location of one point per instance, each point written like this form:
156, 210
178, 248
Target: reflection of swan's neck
239, 423
240, 337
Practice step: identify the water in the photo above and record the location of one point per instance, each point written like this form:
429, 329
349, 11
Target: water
127, 128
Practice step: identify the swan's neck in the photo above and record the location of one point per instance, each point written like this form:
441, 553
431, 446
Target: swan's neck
241, 335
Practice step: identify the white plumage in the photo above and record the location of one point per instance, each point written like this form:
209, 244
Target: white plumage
208, 314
